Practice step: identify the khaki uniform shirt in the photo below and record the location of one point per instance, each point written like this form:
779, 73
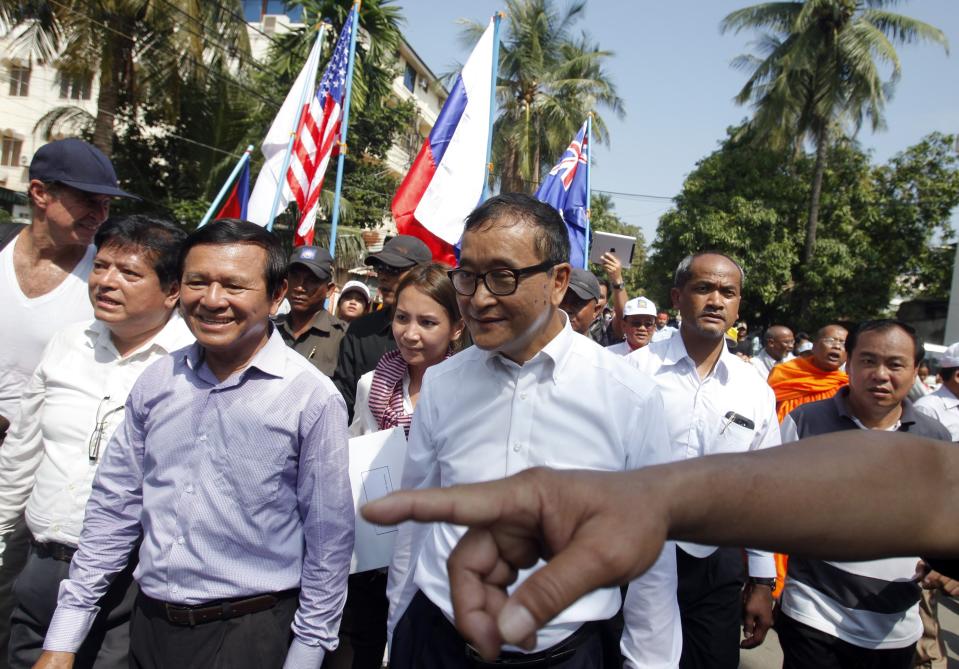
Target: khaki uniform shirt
320, 344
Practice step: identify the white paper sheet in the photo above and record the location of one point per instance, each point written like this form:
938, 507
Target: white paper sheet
376, 469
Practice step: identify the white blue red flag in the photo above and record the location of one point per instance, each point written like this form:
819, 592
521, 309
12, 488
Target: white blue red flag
447, 178
317, 140
237, 202
565, 188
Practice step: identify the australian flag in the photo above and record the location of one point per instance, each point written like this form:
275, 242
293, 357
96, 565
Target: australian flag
565, 188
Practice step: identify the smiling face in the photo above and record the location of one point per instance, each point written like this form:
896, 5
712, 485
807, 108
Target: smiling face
709, 300
72, 216
516, 325
829, 348
126, 293
881, 370
639, 330
422, 328
224, 299
307, 292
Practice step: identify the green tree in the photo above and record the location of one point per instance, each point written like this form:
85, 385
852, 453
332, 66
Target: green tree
882, 232
818, 73
139, 50
549, 80
604, 218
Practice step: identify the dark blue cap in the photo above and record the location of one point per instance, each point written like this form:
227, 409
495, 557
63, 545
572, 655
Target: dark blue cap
316, 258
77, 164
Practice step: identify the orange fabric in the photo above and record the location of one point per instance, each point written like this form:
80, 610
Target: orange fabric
782, 561
799, 381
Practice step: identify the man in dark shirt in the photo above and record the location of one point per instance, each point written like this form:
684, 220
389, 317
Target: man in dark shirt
370, 336
858, 613
308, 328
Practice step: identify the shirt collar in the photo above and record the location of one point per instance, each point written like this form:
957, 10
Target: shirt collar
169, 339
947, 397
321, 321
271, 359
841, 400
676, 352
556, 351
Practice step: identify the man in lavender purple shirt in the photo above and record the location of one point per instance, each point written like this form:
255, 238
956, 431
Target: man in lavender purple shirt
232, 464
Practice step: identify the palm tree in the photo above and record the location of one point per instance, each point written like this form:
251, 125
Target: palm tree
818, 74
140, 49
549, 80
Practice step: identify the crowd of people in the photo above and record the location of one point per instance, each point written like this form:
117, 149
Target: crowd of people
174, 471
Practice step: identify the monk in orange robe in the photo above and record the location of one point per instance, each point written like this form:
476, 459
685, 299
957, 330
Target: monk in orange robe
814, 378
804, 380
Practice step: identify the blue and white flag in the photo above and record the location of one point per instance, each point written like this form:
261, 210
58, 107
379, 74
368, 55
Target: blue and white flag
565, 188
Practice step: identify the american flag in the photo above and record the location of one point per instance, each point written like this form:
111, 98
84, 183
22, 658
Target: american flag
318, 136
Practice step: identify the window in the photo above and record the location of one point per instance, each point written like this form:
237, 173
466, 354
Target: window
19, 81
75, 86
10, 154
409, 78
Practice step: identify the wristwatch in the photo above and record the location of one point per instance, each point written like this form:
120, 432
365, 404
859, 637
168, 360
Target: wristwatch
768, 582
619, 286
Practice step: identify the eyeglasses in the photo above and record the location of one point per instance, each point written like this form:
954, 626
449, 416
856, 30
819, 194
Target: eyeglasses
99, 430
501, 281
381, 268
832, 341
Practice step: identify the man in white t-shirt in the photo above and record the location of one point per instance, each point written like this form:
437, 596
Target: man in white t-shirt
639, 325
43, 271
43, 288
943, 403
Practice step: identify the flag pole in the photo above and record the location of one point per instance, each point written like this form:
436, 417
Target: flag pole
346, 126
244, 159
497, 17
281, 177
589, 185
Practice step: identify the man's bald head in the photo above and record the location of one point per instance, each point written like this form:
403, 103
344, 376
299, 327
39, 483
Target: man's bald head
779, 341
829, 347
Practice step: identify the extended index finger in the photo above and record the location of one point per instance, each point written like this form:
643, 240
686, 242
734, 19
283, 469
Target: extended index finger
474, 504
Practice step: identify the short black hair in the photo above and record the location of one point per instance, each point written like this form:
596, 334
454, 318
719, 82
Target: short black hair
236, 231
947, 373
161, 239
882, 325
684, 269
552, 240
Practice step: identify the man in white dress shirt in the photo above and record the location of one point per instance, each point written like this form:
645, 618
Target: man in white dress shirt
71, 406
943, 403
715, 403
518, 399
777, 347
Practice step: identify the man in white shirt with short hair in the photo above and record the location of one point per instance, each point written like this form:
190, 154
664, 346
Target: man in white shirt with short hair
71, 406
531, 392
715, 403
943, 403
778, 342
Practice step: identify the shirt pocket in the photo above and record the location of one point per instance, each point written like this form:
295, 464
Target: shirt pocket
250, 471
732, 437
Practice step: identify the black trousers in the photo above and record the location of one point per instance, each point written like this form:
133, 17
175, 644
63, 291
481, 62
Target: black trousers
425, 639
710, 608
805, 647
363, 628
107, 646
254, 641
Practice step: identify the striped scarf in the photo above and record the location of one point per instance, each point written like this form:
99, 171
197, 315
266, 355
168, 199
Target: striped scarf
386, 393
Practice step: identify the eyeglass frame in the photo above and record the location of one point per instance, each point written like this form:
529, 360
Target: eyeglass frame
832, 341
96, 437
517, 274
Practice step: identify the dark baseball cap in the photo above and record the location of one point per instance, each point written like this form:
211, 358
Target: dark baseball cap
402, 251
77, 164
584, 284
316, 258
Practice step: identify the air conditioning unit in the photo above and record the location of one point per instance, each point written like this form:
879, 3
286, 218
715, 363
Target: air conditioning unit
269, 24
24, 161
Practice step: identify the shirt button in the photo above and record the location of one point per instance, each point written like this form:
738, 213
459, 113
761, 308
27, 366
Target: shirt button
516, 446
202, 437
180, 540
189, 489
174, 588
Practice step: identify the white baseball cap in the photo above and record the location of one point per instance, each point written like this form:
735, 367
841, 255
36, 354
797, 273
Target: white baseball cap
357, 286
639, 306
950, 358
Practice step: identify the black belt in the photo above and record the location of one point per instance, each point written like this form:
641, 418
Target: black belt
549, 657
51, 549
210, 611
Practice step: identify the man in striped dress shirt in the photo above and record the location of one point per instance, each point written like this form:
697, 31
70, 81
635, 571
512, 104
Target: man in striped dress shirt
232, 464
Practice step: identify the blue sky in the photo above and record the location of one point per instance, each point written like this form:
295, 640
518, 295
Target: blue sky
671, 67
